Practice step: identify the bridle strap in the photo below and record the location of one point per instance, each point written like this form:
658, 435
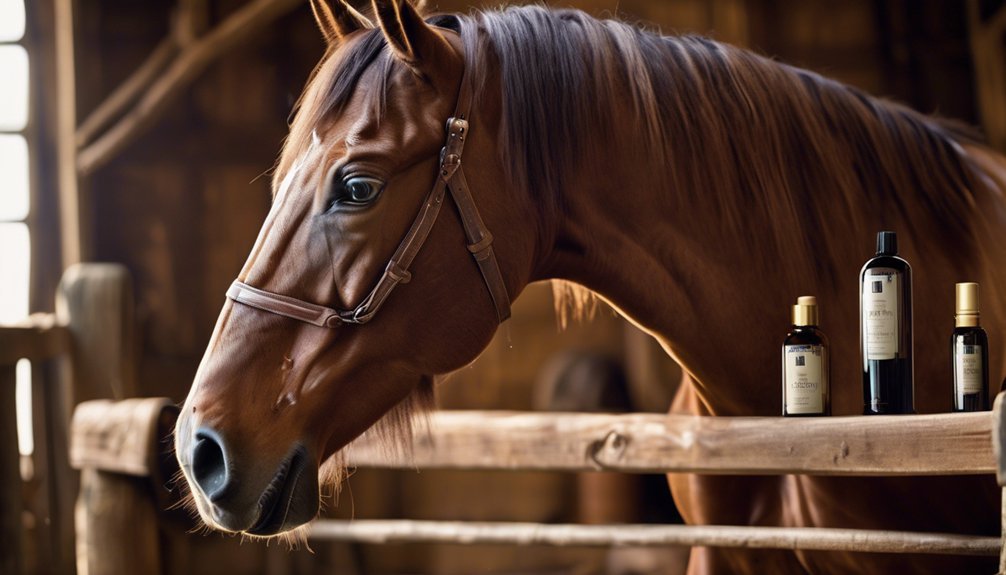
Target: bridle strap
287, 306
480, 244
450, 176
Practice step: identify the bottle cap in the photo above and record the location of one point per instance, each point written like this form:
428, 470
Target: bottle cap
887, 244
967, 298
805, 311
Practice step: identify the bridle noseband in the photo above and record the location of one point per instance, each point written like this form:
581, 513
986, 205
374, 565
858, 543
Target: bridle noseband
449, 177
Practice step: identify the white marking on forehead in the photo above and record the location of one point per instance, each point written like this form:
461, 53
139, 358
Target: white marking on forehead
284, 186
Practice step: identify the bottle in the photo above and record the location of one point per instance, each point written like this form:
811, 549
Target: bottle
885, 309
806, 381
969, 347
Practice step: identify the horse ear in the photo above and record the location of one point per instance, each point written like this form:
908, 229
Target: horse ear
413, 40
337, 19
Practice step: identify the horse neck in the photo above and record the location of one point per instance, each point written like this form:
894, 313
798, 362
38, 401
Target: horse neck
625, 234
620, 237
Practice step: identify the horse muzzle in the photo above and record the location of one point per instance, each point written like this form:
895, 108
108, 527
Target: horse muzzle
247, 496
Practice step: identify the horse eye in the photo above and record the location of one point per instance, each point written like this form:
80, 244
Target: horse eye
355, 191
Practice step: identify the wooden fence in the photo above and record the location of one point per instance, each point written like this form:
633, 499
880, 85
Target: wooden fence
942, 444
81, 352
939, 444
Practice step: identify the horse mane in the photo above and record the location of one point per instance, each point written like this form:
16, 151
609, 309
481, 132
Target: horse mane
739, 135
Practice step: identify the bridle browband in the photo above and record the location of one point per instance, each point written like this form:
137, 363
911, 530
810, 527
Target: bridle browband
449, 177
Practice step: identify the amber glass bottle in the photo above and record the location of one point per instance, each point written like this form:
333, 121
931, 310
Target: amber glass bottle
969, 349
806, 381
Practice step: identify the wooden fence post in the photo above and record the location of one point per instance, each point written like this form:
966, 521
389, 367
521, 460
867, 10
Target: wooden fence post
998, 443
96, 302
10, 477
118, 447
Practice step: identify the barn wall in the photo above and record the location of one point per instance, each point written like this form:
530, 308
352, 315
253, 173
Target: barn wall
182, 206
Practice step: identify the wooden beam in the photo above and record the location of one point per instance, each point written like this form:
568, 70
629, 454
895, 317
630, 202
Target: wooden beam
75, 237
806, 538
37, 338
940, 444
190, 63
11, 560
127, 92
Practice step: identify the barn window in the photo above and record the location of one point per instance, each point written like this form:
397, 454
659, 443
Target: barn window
15, 241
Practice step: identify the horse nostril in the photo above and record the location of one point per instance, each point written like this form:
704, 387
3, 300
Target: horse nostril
209, 466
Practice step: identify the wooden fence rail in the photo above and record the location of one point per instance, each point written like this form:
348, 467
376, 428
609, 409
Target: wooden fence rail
807, 539
939, 444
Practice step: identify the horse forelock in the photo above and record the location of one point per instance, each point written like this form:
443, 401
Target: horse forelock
329, 89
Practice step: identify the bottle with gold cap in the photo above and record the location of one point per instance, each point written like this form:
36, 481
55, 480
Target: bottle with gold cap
969, 348
806, 381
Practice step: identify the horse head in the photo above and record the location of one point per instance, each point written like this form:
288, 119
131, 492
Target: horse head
350, 302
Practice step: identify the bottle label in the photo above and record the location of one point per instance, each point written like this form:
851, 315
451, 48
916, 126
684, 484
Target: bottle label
805, 379
968, 368
880, 315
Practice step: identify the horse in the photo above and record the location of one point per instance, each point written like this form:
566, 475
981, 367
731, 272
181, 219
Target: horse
696, 187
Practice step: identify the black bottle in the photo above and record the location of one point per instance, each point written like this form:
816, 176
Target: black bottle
969, 350
806, 381
885, 316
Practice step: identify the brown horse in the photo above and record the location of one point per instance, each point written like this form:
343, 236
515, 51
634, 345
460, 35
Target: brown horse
696, 187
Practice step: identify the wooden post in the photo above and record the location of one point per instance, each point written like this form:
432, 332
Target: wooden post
73, 228
998, 443
96, 302
10, 477
118, 447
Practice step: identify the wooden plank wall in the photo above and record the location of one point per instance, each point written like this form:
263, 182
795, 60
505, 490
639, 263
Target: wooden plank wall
182, 206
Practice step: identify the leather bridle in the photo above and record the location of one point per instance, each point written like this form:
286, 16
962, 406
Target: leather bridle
449, 177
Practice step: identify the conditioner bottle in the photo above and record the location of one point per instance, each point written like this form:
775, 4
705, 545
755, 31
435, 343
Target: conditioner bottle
806, 385
969, 347
885, 306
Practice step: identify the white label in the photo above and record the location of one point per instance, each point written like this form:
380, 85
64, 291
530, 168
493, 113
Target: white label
968, 368
805, 378
880, 315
